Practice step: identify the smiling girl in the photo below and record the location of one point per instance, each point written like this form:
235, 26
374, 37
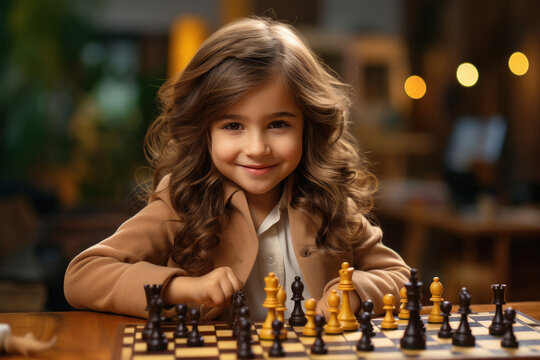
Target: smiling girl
255, 171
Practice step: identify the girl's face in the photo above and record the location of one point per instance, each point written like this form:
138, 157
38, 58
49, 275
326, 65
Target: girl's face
258, 142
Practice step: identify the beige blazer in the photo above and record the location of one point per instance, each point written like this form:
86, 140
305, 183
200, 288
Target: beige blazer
110, 275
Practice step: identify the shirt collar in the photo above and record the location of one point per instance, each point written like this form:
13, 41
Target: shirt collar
237, 198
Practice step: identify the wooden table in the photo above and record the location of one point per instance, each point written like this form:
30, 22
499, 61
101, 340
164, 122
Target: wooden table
91, 335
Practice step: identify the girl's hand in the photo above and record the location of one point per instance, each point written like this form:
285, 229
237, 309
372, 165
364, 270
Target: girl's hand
216, 287
212, 289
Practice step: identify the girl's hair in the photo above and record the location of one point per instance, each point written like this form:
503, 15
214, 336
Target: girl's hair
330, 181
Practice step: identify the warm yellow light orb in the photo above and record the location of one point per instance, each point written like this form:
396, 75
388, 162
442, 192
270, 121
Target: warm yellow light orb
466, 74
415, 87
518, 63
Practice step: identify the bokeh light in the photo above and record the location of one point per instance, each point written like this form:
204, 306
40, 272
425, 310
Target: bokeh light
518, 63
467, 75
415, 87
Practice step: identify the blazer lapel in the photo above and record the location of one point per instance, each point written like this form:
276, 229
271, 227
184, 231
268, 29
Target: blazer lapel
238, 243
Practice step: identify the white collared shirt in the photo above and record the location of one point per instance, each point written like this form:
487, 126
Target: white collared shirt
276, 254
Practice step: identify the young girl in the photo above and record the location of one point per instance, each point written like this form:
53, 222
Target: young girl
255, 171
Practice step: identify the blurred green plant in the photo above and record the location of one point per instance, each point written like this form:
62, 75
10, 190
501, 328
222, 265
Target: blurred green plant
69, 102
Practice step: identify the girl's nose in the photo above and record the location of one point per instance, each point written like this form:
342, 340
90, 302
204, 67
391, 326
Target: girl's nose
256, 145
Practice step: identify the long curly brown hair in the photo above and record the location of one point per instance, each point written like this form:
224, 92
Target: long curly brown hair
331, 179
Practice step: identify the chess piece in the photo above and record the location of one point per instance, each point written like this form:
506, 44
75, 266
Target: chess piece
310, 327
280, 310
414, 337
244, 313
298, 317
271, 303
497, 326
509, 339
23, 345
237, 303
346, 316
389, 323
367, 306
157, 340
194, 337
153, 312
319, 347
365, 344
276, 350
463, 335
333, 326
446, 331
436, 290
181, 329
403, 312
243, 347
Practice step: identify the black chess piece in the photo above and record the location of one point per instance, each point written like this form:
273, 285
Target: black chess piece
463, 335
150, 291
181, 329
365, 344
319, 347
497, 327
237, 303
446, 331
367, 306
414, 337
244, 313
194, 337
243, 347
298, 318
509, 339
276, 350
157, 340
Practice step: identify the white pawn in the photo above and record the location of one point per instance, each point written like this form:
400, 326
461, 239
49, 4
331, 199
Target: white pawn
389, 322
309, 328
333, 326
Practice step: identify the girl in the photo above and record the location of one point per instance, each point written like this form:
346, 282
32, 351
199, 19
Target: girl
254, 171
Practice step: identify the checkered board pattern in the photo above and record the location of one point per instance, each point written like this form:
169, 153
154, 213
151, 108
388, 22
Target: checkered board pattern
219, 343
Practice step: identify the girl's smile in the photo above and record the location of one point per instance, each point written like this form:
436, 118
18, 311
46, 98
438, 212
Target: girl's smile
258, 169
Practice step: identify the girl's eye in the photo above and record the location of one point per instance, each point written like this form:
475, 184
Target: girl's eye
232, 126
278, 124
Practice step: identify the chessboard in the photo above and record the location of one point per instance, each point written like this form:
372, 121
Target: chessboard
219, 342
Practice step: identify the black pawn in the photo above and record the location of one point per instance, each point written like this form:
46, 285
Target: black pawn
319, 347
497, 327
463, 335
446, 331
237, 304
244, 313
298, 318
365, 344
276, 350
367, 306
181, 329
509, 339
194, 337
157, 340
243, 342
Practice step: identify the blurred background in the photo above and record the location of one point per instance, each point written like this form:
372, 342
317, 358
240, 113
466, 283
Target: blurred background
446, 110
